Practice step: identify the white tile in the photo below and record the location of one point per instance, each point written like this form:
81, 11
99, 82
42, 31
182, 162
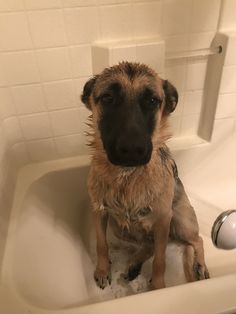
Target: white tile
82, 24
227, 20
196, 73
50, 32
35, 126
223, 128
12, 130
14, 32
193, 102
117, 22
79, 86
152, 55
175, 125
54, 64
71, 145
78, 3
42, 4
226, 106
7, 108
176, 43
146, 19
65, 122
189, 125
200, 40
28, 99
3, 146
60, 94
119, 54
3, 80
42, 150
11, 5
20, 67
175, 73
176, 16
81, 59
230, 58
228, 81
205, 15
101, 58
20, 153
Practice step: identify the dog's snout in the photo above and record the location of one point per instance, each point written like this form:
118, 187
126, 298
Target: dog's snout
132, 150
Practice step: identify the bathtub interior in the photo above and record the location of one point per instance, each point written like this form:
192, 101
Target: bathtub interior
51, 252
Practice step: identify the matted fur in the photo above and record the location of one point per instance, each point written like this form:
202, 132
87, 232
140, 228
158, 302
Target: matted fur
122, 193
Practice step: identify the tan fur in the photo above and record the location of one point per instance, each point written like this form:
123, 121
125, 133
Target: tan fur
120, 193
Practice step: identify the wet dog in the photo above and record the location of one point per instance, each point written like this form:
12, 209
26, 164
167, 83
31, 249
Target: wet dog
133, 181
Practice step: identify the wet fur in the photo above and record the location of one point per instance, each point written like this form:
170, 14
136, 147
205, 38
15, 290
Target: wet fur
146, 204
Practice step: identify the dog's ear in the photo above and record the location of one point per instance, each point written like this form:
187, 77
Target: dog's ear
87, 91
171, 96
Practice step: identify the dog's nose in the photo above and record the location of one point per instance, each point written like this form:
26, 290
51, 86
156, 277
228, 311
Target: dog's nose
131, 150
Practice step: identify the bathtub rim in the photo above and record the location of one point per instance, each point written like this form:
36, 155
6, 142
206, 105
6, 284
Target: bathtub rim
199, 293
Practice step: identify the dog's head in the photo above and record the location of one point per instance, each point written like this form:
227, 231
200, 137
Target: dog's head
128, 102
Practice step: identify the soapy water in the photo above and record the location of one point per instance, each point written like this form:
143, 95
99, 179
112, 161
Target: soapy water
121, 253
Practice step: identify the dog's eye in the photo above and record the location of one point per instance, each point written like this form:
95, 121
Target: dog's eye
107, 99
154, 101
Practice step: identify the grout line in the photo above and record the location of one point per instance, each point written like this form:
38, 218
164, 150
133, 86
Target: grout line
69, 46
49, 138
72, 7
41, 86
189, 27
100, 32
18, 122
219, 15
49, 111
38, 49
47, 82
84, 44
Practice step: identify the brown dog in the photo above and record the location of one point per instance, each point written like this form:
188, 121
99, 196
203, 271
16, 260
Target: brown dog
133, 181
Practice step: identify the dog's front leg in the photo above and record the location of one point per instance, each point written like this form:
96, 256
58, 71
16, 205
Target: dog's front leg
161, 235
102, 273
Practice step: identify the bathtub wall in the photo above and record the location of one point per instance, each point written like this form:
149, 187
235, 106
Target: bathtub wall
46, 58
7, 166
225, 118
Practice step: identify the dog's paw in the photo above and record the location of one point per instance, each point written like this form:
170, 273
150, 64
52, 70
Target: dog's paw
102, 278
201, 272
133, 272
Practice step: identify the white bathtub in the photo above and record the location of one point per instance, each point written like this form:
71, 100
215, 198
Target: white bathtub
49, 257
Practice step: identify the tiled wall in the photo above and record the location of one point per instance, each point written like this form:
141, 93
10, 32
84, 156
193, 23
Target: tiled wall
45, 57
226, 107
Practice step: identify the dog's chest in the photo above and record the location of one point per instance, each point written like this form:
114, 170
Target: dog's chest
130, 197
130, 202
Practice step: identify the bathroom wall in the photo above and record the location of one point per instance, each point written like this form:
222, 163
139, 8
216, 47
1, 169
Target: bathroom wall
46, 58
227, 20
225, 118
